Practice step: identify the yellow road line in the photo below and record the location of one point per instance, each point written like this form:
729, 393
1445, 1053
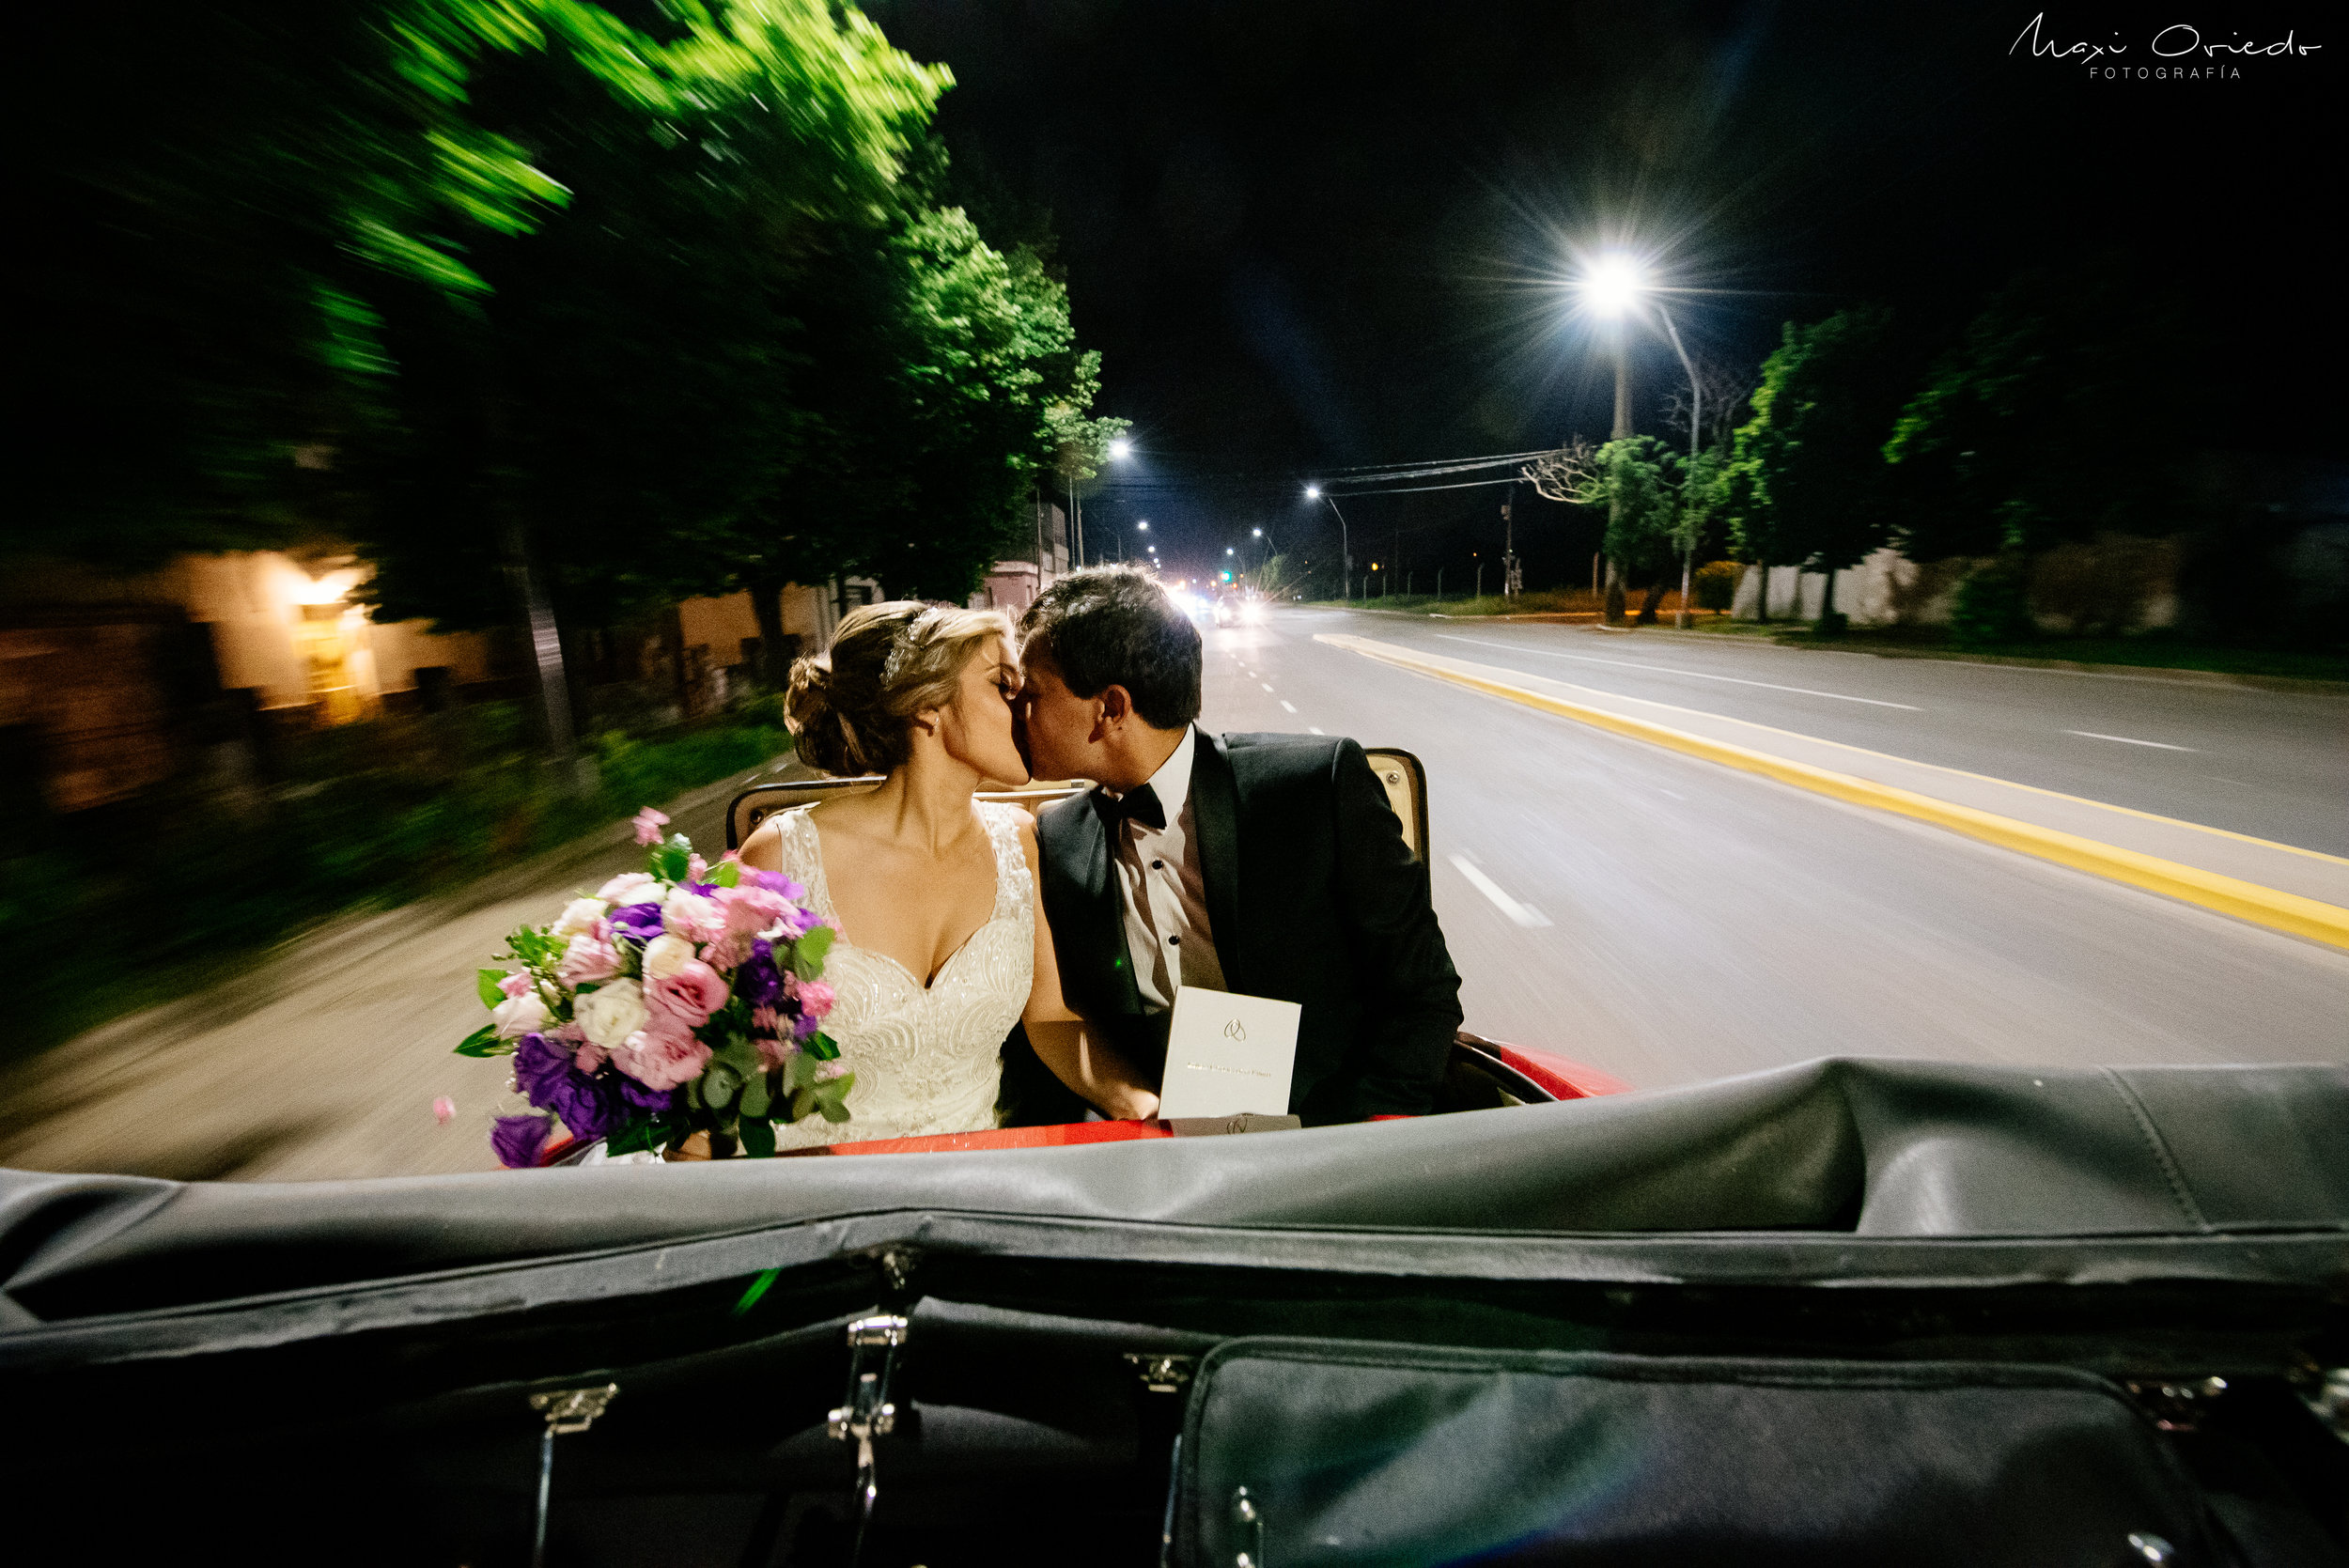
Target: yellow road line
2228, 895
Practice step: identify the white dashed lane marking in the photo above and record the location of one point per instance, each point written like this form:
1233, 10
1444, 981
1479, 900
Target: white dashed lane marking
1287, 707
1524, 915
2158, 745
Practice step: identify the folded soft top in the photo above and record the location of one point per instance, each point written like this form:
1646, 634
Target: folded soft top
1851, 1152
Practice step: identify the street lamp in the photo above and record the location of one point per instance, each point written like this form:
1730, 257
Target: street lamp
1613, 286
1120, 449
1346, 545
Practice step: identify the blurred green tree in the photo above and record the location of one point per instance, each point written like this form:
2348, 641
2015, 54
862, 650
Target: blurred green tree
1806, 486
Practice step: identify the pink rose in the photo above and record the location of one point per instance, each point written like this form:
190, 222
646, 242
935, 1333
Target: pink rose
648, 824
728, 952
587, 1056
515, 982
689, 996
815, 997
749, 910
587, 960
661, 1057
444, 1110
696, 869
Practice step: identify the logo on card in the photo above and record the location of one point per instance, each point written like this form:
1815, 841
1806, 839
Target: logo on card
1235, 1030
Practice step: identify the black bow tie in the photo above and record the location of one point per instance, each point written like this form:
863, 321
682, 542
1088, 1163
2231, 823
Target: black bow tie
1141, 804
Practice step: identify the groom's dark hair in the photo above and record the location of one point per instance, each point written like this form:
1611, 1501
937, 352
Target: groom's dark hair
1114, 625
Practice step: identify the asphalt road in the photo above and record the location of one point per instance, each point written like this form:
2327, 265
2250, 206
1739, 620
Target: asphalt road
1670, 920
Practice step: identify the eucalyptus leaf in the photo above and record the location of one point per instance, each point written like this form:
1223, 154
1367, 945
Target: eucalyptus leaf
758, 1096
831, 1099
807, 953
718, 1084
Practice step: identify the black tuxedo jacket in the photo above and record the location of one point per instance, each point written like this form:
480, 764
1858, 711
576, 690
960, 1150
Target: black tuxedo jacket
1311, 897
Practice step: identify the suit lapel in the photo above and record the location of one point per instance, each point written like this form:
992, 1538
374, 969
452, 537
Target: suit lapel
1215, 808
1084, 852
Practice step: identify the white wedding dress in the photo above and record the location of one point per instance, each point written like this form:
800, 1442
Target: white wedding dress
927, 1059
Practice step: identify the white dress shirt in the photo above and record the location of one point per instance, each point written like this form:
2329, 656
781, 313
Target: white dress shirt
1165, 890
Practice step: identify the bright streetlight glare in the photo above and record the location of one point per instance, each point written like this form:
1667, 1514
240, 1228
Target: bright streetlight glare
1144, 525
1227, 550
1613, 284
1313, 492
1258, 532
1121, 449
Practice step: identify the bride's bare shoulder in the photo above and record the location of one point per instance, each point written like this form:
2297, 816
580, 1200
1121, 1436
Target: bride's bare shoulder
764, 847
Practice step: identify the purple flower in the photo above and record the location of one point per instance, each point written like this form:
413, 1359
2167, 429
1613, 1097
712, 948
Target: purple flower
758, 982
805, 1025
589, 1103
639, 923
518, 1139
643, 1098
775, 881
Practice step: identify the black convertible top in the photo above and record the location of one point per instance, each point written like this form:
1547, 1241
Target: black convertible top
1830, 1172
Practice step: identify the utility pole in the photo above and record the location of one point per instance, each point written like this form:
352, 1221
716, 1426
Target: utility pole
1611, 611
1696, 425
1512, 569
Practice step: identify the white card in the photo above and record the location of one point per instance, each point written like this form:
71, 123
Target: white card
1228, 1053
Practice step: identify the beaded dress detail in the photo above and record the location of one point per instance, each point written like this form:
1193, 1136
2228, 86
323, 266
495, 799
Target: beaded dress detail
927, 1059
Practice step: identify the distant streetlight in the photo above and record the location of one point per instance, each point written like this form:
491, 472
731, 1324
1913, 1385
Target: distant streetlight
1345, 544
1121, 449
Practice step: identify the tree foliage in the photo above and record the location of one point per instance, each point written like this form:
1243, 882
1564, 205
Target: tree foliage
1805, 485
2057, 418
647, 289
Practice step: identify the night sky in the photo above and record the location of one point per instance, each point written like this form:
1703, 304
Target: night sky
1310, 236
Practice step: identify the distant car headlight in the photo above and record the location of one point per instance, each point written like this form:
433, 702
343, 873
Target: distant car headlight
1252, 610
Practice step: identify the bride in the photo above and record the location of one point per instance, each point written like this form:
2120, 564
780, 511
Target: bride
940, 948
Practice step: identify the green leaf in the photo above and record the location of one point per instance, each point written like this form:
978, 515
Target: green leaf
807, 953
821, 1047
727, 874
641, 1134
832, 1098
486, 984
485, 1042
758, 1137
718, 1084
758, 1096
671, 860
738, 1054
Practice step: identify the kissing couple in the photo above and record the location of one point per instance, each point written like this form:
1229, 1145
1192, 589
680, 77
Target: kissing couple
987, 957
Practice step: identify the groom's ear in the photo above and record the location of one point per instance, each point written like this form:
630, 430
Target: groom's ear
1117, 705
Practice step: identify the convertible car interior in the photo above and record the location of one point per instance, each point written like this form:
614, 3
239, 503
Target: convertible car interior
1845, 1312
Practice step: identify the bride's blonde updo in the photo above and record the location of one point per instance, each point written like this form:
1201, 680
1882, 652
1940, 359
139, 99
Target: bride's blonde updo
853, 706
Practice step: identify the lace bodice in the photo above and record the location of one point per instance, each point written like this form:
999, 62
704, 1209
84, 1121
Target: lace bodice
926, 1060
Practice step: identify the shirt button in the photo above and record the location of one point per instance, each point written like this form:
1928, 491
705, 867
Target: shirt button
1157, 865
1174, 941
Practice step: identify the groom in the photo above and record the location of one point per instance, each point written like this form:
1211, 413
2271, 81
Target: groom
1268, 864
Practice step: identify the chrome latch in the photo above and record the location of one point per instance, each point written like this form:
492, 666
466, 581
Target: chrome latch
2177, 1406
1250, 1518
1162, 1375
567, 1410
866, 1413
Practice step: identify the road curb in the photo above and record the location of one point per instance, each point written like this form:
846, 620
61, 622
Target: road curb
2307, 918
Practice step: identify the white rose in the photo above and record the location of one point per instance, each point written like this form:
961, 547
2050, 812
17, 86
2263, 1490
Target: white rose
518, 1016
624, 889
578, 918
688, 912
666, 954
610, 1014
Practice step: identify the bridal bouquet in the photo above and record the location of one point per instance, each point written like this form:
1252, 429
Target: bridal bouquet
684, 997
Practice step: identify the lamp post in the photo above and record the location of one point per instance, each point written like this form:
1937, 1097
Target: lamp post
1120, 449
1345, 546
1616, 286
